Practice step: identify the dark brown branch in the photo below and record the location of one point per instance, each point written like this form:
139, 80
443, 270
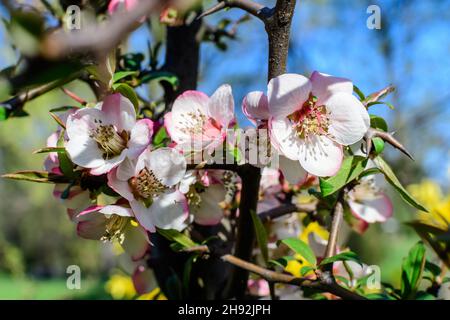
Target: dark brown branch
278, 29
322, 283
334, 230
17, 102
286, 209
254, 8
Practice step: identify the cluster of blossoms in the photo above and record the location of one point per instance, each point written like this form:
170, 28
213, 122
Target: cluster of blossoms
309, 123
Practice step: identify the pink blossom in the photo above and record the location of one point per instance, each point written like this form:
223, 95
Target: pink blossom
198, 122
368, 203
117, 5
101, 138
148, 184
113, 222
311, 119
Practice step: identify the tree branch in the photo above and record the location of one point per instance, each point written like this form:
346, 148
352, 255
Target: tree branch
254, 8
321, 283
278, 28
98, 39
334, 230
286, 209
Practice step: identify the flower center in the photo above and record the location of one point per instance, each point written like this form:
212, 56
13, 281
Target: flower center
196, 123
114, 228
109, 140
146, 185
311, 119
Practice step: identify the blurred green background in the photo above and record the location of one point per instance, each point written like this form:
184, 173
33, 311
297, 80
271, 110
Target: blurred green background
37, 240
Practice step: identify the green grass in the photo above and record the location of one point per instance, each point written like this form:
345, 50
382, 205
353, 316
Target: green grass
48, 289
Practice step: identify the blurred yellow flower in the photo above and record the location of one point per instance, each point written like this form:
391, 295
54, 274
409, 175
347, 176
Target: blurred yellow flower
120, 287
430, 194
155, 294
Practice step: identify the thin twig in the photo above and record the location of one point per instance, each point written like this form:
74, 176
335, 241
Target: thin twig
254, 8
286, 209
321, 283
334, 230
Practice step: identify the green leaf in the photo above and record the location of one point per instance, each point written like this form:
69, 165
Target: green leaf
36, 176
378, 123
161, 76
359, 93
281, 262
128, 92
160, 136
433, 268
63, 109
304, 270
301, 248
261, 235
65, 164
50, 149
393, 180
344, 256
378, 144
422, 295
379, 296
381, 102
3, 113
412, 270
351, 168
176, 236
123, 74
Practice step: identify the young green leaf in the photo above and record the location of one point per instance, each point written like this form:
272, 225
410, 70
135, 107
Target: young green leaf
261, 235
160, 136
351, 168
36, 176
412, 270
50, 149
281, 262
176, 236
128, 92
377, 122
161, 76
300, 247
123, 74
359, 93
343, 256
378, 144
393, 180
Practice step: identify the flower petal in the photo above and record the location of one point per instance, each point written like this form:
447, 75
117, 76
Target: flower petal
109, 164
143, 215
221, 106
120, 186
140, 138
292, 170
188, 104
117, 210
284, 138
256, 106
349, 118
371, 210
170, 211
320, 156
324, 85
119, 111
209, 211
135, 242
92, 228
287, 93
168, 165
85, 152
144, 280
81, 123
